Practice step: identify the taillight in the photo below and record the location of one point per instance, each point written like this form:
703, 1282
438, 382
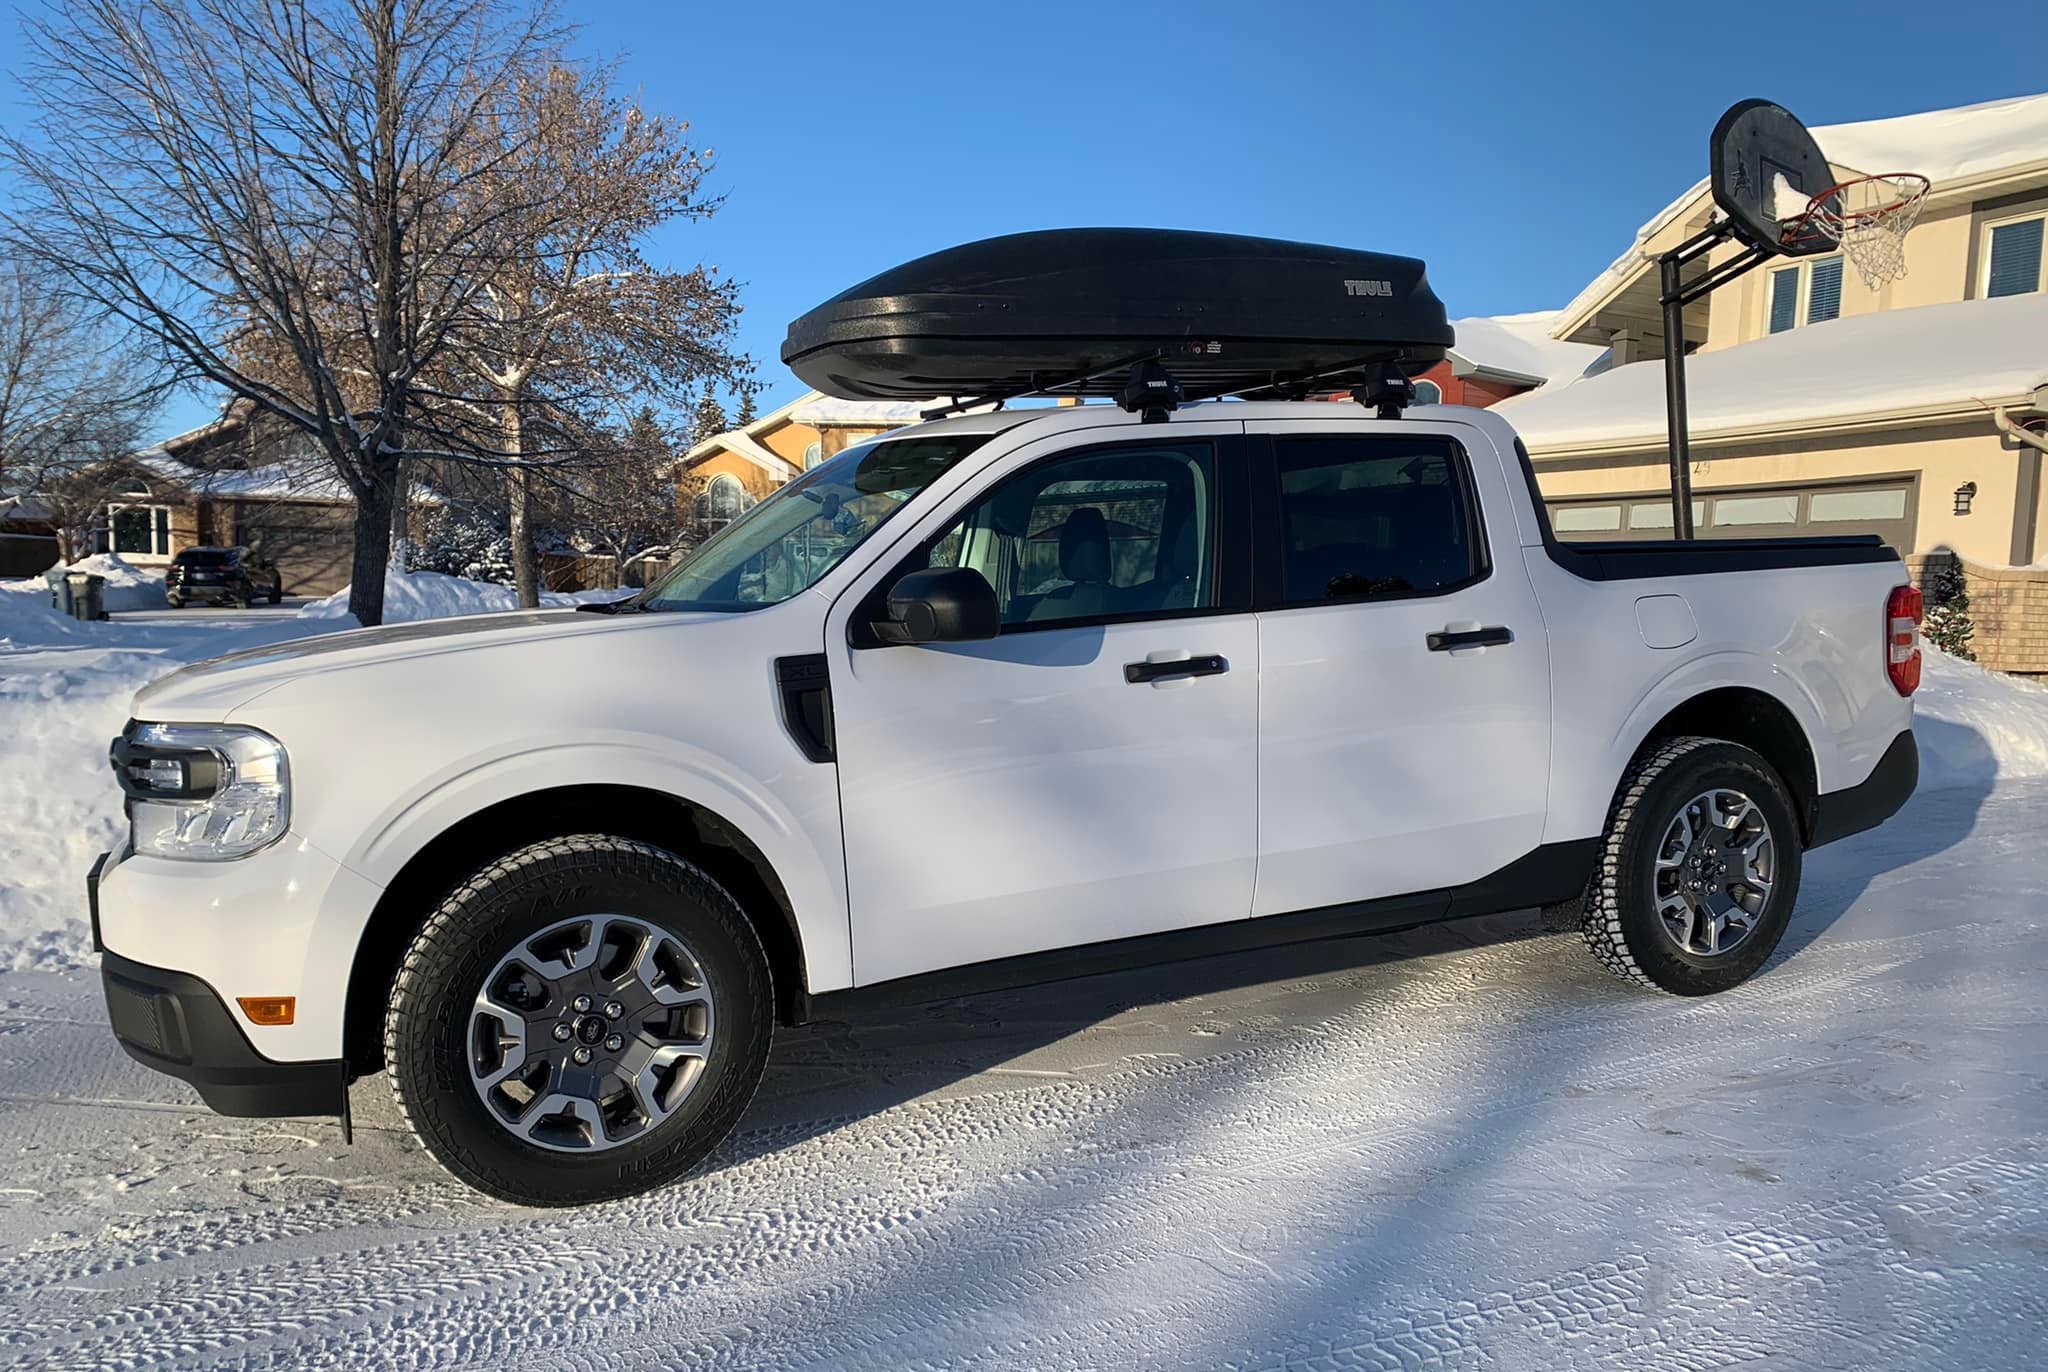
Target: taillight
1902, 612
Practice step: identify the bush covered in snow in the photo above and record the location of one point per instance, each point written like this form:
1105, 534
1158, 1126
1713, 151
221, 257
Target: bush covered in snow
465, 544
1948, 625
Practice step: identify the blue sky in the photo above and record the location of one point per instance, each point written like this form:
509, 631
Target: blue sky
1514, 147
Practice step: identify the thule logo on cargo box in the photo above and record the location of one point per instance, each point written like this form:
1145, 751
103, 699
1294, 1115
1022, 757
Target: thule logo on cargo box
1368, 288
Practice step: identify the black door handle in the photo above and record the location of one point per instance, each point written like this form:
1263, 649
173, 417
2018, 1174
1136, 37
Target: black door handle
1212, 664
1491, 636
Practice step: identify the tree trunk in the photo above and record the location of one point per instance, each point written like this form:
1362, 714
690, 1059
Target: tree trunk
525, 574
401, 520
373, 544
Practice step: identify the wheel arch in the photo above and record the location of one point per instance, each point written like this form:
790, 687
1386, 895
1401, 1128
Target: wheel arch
691, 831
1757, 720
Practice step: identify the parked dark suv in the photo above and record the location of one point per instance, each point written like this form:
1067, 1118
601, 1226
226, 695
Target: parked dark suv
233, 576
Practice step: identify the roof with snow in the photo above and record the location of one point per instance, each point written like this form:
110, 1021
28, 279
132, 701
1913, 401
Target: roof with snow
1911, 364
1519, 348
1946, 146
829, 412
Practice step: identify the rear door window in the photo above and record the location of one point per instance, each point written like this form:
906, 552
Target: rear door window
1365, 517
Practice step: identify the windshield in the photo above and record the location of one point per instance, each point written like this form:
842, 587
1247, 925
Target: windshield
205, 557
784, 544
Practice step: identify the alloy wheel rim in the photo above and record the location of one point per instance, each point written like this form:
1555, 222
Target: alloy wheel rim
590, 1033
1715, 869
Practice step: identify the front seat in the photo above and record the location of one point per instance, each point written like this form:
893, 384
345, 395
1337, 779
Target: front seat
1085, 561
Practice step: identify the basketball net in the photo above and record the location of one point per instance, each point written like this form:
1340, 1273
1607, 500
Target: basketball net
1869, 217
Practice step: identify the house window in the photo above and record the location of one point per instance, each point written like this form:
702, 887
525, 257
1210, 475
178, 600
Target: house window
1585, 519
812, 453
723, 501
137, 531
1428, 393
1809, 293
2012, 257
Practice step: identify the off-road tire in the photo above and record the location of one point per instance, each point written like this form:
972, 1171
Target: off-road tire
277, 594
1620, 922
427, 1020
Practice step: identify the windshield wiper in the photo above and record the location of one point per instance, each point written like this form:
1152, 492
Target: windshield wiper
630, 605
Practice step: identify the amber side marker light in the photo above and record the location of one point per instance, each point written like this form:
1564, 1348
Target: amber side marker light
268, 1009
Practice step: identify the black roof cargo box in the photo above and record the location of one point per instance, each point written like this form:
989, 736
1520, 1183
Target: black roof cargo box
1072, 310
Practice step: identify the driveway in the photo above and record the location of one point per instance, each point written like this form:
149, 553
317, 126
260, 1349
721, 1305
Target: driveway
1461, 1147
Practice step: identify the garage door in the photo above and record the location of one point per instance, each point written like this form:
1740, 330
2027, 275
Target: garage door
1884, 508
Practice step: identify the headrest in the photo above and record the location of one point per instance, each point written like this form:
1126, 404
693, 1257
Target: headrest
1084, 545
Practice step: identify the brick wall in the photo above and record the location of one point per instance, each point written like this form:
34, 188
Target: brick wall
2008, 606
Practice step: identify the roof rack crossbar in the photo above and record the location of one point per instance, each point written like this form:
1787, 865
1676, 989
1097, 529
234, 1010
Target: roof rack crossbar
1291, 381
1038, 387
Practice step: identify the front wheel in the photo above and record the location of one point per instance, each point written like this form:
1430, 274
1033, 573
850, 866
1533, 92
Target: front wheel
583, 1019
1699, 869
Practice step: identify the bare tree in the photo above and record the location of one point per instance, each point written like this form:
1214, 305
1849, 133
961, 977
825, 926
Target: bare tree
74, 395
624, 500
575, 318
298, 200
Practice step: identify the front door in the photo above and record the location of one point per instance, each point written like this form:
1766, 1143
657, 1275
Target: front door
1091, 773
1404, 711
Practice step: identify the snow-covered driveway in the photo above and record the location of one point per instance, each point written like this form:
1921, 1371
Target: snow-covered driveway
1464, 1147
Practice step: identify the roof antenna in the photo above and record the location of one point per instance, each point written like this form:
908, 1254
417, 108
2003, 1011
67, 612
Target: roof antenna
1151, 393
1391, 392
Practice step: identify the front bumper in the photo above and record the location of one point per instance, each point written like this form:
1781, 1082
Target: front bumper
284, 921
176, 1024
211, 592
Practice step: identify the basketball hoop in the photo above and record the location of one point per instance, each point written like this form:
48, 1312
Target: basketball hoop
1870, 217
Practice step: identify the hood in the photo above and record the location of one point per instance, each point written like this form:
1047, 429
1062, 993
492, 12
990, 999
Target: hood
206, 692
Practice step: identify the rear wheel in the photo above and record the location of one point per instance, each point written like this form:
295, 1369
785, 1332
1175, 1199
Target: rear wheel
1699, 869
277, 593
583, 1019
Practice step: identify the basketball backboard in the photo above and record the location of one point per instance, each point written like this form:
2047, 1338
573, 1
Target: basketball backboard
1765, 169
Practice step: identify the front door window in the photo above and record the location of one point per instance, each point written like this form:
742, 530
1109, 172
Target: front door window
1115, 534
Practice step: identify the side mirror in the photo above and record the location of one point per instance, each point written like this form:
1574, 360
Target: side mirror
940, 605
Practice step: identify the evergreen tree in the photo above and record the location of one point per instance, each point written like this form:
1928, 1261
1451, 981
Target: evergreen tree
746, 413
1947, 626
709, 420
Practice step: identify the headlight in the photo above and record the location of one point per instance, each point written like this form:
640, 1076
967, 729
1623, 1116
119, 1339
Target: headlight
202, 791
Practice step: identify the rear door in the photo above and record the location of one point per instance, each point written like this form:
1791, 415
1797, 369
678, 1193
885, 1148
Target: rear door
1091, 773
1404, 710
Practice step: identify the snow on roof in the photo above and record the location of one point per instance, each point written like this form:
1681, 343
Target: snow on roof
274, 481
1521, 345
1942, 145
1893, 361
824, 411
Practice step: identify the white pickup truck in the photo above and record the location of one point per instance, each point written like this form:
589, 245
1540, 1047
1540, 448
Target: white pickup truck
1000, 697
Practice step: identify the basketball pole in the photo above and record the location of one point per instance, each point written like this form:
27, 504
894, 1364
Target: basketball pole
1674, 295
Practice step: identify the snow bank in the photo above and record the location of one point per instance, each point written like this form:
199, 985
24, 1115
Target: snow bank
128, 587
1987, 726
434, 595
